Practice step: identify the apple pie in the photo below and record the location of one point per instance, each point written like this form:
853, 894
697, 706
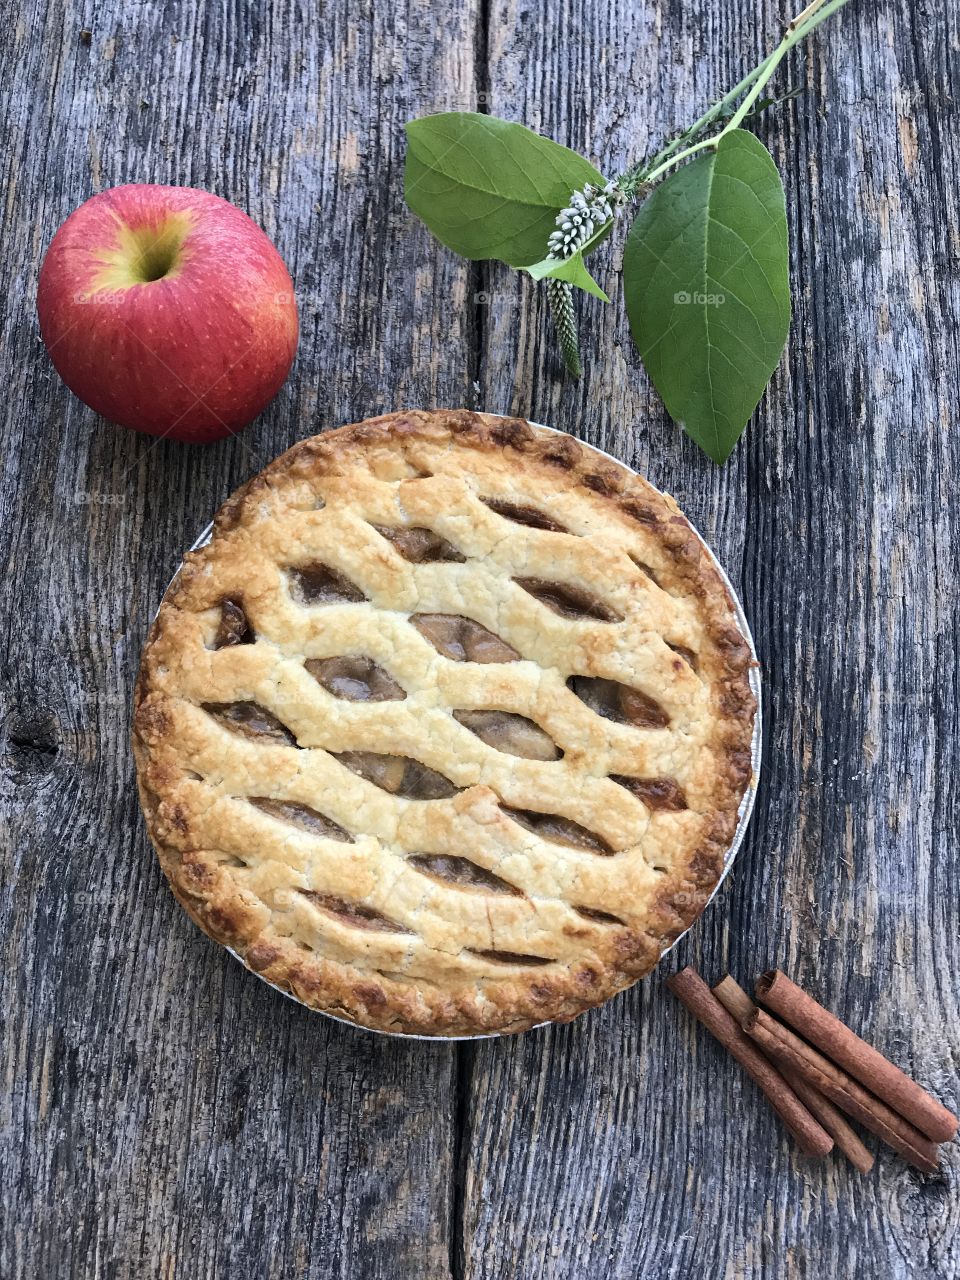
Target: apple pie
446, 729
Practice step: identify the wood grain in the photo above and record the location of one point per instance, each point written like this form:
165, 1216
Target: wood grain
162, 1112
629, 1146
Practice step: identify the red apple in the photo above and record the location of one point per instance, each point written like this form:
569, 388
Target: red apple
168, 310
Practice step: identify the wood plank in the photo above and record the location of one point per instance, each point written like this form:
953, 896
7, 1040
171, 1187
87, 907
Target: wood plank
626, 1145
163, 1113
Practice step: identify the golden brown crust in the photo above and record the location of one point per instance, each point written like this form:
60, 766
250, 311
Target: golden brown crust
346, 922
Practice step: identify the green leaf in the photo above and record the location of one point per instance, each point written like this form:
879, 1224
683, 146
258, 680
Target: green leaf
487, 188
573, 270
707, 291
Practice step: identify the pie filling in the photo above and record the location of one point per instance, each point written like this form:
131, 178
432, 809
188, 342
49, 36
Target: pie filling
420, 545
462, 639
461, 872
399, 775
319, 584
355, 678
250, 720
301, 815
354, 914
234, 627
530, 516
618, 702
512, 733
558, 830
452, 896
568, 601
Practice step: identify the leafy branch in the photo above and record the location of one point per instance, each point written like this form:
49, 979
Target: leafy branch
755, 81
705, 266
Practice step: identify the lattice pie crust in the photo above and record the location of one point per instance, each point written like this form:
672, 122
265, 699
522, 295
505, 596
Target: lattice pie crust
446, 729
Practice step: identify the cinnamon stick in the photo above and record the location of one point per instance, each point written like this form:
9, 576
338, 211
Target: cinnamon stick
790, 1051
736, 1002
860, 1059
691, 990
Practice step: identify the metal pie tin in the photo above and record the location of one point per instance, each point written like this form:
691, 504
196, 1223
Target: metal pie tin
743, 816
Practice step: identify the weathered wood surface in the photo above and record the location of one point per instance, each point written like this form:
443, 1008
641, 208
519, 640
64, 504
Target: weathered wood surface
163, 1113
